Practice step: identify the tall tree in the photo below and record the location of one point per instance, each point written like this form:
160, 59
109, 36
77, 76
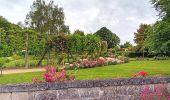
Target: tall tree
78, 32
140, 37
107, 35
46, 18
158, 38
127, 45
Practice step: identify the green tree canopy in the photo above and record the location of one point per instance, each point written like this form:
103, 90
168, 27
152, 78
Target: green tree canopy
163, 7
46, 18
140, 36
158, 38
127, 45
78, 32
106, 35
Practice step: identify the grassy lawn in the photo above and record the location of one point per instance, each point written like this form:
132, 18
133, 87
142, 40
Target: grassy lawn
115, 71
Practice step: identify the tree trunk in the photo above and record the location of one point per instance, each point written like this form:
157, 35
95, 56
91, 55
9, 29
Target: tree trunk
26, 52
1, 71
143, 54
39, 63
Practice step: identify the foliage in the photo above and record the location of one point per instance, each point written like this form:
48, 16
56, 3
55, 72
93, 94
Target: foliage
161, 58
127, 45
13, 41
106, 35
21, 63
140, 37
163, 7
79, 32
51, 75
93, 45
158, 38
3, 60
46, 18
104, 46
76, 44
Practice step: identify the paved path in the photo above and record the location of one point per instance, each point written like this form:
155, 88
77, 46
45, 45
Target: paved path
14, 71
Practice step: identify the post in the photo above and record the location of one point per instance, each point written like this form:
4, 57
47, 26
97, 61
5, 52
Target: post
1, 71
26, 51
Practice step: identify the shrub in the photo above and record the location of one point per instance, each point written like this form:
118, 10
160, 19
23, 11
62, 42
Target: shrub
124, 59
111, 63
159, 92
161, 58
141, 58
89, 64
101, 61
113, 60
51, 75
3, 60
21, 63
140, 74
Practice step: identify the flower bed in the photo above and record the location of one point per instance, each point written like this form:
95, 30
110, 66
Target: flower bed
101, 61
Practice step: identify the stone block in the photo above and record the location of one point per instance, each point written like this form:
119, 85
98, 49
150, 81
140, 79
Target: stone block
90, 93
22, 96
46, 95
5, 96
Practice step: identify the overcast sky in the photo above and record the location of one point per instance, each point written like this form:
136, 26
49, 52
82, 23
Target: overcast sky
122, 17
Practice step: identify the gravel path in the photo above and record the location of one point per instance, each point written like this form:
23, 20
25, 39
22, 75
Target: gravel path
14, 71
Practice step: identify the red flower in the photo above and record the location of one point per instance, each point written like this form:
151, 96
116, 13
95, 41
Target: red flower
141, 73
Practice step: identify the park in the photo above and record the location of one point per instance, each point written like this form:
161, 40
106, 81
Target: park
43, 50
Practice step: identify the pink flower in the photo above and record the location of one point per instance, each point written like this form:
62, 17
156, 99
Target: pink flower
53, 70
47, 67
35, 80
49, 77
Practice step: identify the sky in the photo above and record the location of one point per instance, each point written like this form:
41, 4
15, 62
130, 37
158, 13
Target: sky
122, 17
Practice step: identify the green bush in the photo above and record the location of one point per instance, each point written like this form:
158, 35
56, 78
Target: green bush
21, 63
3, 60
141, 58
161, 58
111, 63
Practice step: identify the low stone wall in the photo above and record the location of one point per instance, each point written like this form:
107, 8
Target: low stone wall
110, 89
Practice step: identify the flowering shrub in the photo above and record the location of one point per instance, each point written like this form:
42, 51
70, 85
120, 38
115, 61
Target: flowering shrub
124, 59
140, 74
85, 63
51, 75
159, 92
89, 64
113, 60
101, 61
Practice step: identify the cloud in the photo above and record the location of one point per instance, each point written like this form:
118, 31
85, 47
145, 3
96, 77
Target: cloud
122, 17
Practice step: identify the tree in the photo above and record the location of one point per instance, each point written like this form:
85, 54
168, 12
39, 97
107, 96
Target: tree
106, 35
158, 38
46, 18
140, 37
127, 45
79, 32
163, 7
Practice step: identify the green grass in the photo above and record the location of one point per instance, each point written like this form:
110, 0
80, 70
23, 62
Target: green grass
115, 71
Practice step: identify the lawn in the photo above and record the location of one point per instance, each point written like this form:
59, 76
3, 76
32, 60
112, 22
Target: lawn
114, 71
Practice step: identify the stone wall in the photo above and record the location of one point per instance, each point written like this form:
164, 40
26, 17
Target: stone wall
110, 89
